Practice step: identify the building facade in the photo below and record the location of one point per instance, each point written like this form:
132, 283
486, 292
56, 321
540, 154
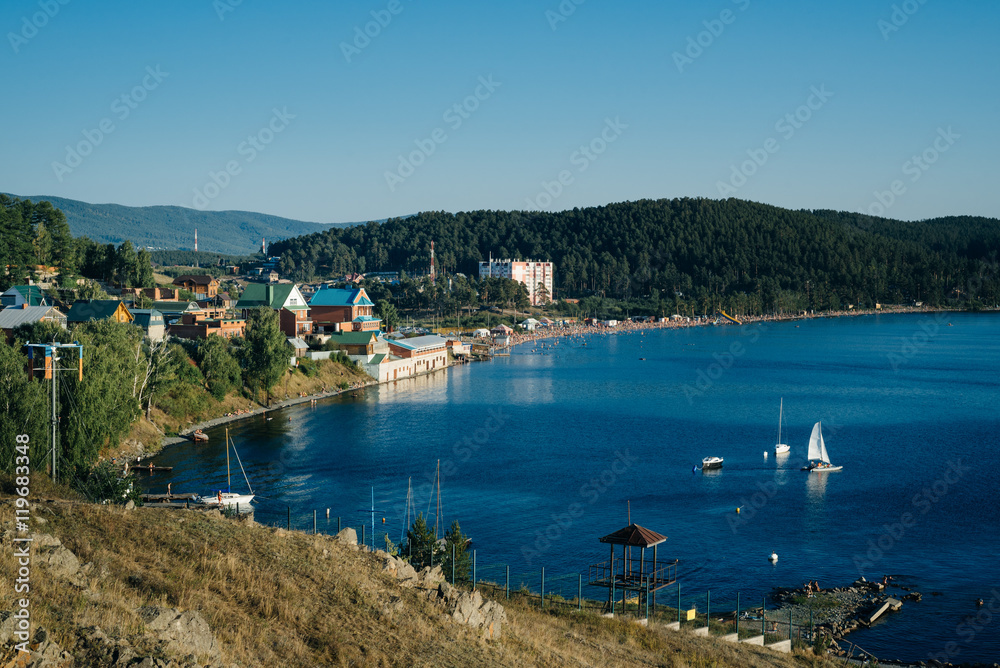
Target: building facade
535, 275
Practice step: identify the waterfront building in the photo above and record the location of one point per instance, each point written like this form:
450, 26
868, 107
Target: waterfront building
294, 315
202, 324
535, 275
343, 310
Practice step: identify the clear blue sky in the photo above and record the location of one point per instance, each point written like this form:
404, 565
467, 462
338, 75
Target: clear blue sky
679, 128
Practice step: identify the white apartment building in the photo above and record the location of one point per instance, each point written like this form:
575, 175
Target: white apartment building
528, 272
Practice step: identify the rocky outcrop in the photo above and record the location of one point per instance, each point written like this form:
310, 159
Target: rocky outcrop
182, 633
62, 563
462, 606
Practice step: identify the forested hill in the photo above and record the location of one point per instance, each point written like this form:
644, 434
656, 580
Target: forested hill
751, 257
172, 227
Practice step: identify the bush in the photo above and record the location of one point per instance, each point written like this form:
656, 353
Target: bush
308, 367
104, 484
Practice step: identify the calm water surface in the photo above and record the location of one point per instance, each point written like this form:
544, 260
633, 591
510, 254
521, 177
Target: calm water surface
542, 451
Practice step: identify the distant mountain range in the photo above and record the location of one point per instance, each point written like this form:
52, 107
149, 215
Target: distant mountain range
172, 227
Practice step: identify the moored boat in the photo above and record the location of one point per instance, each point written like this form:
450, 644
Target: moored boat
779, 447
711, 463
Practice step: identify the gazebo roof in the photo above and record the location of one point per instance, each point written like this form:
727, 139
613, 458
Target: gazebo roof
635, 536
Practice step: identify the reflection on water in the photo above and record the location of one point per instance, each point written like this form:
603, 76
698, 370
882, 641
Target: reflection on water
815, 485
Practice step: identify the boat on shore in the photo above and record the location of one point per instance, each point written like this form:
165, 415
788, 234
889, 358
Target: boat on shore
779, 447
819, 459
711, 463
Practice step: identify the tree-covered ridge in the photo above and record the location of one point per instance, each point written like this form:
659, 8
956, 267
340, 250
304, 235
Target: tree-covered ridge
172, 227
748, 256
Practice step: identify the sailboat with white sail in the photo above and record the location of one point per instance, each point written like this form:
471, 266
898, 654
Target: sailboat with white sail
229, 498
779, 447
819, 459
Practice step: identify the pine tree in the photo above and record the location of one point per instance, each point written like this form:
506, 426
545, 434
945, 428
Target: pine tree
420, 548
457, 541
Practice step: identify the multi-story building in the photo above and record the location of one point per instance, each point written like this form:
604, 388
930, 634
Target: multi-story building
533, 274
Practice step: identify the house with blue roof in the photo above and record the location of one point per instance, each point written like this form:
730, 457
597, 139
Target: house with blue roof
343, 310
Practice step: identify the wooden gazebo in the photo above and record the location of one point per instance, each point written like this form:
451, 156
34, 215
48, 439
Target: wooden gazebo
628, 574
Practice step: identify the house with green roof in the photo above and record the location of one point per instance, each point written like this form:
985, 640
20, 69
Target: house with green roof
294, 314
31, 295
343, 310
85, 310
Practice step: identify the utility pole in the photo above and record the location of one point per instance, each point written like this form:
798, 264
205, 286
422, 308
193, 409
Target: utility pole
49, 353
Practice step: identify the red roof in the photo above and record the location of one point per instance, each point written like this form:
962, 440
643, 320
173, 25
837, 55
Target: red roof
635, 536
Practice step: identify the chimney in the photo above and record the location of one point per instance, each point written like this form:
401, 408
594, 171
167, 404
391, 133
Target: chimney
24, 305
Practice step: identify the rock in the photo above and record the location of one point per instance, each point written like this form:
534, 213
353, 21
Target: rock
183, 632
130, 505
348, 537
468, 608
60, 561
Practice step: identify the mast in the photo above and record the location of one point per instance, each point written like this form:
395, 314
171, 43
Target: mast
229, 478
781, 408
437, 511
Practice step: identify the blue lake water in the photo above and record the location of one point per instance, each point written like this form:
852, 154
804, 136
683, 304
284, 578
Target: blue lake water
541, 453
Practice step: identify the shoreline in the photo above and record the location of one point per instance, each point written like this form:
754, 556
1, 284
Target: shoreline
626, 326
185, 436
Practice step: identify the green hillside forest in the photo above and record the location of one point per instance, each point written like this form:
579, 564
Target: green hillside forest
696, 254
172, 227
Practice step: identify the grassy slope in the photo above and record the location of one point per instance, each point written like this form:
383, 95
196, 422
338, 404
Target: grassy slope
292, 599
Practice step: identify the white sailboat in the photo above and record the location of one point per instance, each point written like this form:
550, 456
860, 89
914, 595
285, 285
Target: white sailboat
819, 459
229, 498
781, 448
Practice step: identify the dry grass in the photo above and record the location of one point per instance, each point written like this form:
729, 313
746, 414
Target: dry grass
291, 599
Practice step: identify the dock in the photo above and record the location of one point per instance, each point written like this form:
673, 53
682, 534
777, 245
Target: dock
168, 497
889, 604
148, 469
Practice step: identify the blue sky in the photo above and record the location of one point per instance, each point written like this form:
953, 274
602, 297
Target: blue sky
291, 109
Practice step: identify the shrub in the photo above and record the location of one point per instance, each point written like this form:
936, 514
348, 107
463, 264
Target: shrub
104, 484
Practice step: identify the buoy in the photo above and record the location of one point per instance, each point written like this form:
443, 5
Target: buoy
773, 558
765, 454
737, 510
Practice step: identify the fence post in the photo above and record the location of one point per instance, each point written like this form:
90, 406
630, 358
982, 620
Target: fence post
362, 534
473, 569
763, 615
649, 586
452, 564
790, 623
708, 610
543, 586
579, 594
314, 521
338, 525
737, 616
506, 586
678, 605
288, 518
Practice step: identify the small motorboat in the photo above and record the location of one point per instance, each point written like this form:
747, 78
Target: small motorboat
711, 463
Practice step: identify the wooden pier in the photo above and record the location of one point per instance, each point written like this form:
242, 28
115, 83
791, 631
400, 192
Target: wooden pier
168, 497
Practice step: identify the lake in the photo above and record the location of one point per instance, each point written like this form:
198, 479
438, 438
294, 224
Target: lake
547, 450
